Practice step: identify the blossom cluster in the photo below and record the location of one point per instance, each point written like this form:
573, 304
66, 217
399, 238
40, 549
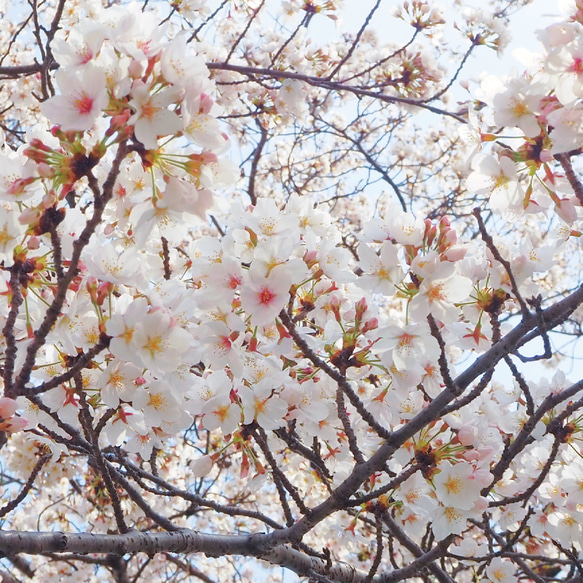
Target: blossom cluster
535, 120
270, 339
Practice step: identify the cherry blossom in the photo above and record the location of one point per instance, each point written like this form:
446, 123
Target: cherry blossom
264, 297
151, 117
257, 292
439, 292
83, 97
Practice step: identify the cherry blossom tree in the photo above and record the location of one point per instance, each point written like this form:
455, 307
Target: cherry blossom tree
285, 299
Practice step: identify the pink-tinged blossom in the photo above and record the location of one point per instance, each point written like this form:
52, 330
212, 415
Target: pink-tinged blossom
142, 441
222, 344
263, 298
152, 118
80, 45
9, 421
8, 408
202, 127
17, 175
64, 401
566, 63
83, 97
184, 196
221, 280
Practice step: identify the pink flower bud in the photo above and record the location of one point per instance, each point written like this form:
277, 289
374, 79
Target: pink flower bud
8, 407
467, 434
202, 466
455, 253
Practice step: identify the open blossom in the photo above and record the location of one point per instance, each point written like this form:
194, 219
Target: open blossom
410, 346
200, 124
118, 382
114, 265
565, 63
80, 45
9, 421
11, 232
152, 118
518, 105
405, 228
160, 342
439, 292
158, 404
221, 280
501, 571
381, 271
499, 179
291, 97
263, 297
135, 32
459, 485
182, 67
221, 412
259, 405
567, 128
150, 338
222, 344
83, 97
16, 177
447, 520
